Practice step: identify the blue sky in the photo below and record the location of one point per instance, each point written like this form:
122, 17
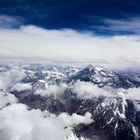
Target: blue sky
103, 17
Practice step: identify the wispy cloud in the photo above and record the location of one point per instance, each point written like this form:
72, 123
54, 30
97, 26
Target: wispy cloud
10, 21
127, 26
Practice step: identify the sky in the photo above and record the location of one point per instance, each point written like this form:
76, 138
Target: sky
91, 31
100, 16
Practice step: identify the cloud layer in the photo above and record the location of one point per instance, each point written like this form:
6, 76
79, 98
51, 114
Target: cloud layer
22, 87
19, 123
70, 46
11, 77
87, 90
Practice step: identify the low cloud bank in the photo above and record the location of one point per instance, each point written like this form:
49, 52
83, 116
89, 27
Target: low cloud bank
35, 42
11, 77
76, 119
19, 123
6, 99
133, 93
88, 90
52, 90
22, 86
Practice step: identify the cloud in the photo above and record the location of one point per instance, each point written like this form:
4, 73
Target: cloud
87, 90
11, 77
76, 119
9, 21
84, 90
133, 93
70, 46
22, 86
19, 123
51, 90
130, 25
6, 99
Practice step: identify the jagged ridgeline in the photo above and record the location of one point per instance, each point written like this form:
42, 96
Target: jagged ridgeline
111, 97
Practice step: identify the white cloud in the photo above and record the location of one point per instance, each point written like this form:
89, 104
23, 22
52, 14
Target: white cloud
19, 123
6, 99
133, 93
75, 119
88, 90
52, 90
2, 84
10, 77
130, 25
70, 46
22, 86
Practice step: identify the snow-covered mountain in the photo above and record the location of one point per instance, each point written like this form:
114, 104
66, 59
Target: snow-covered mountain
111, 97
104, 77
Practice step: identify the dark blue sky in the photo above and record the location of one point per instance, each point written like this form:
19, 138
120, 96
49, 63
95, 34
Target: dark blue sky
105, 17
